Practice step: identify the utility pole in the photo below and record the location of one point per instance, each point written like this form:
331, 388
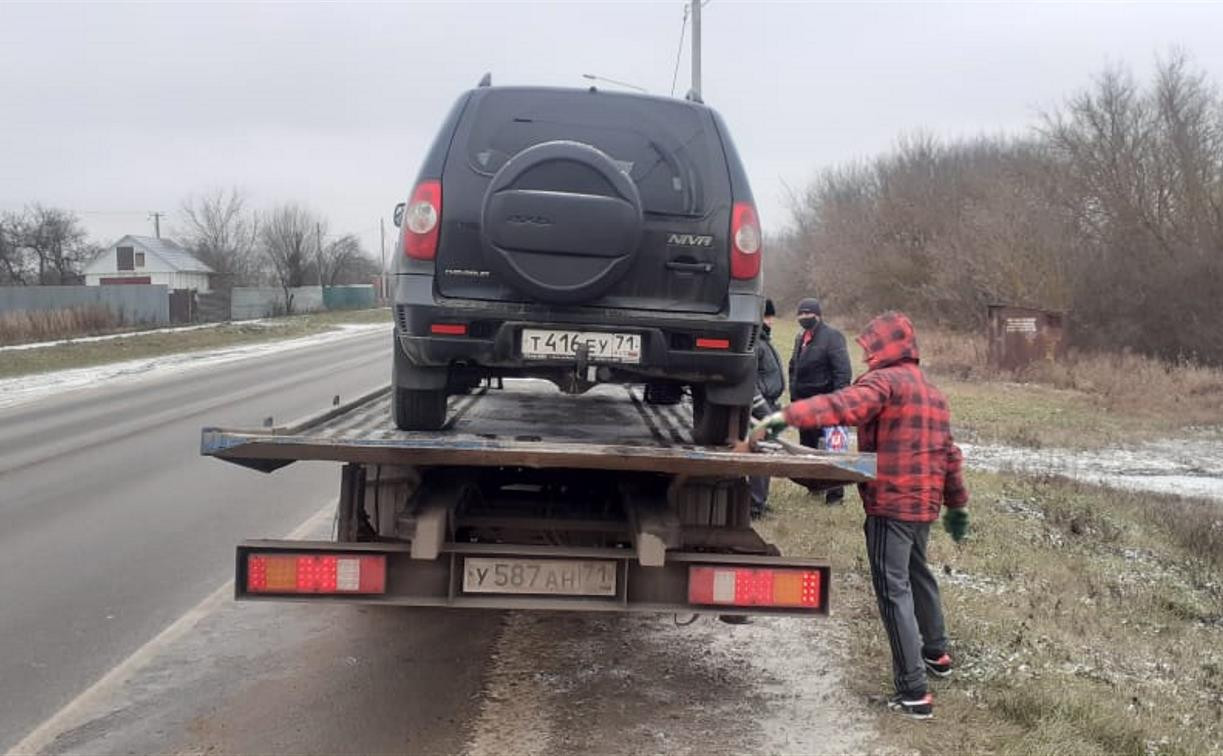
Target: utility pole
156, 216
382, 245
696, 47
318, 251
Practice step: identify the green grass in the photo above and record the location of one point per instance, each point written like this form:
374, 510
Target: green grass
143, 345
1034, 415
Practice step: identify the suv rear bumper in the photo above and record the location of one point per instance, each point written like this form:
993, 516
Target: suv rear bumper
668, 350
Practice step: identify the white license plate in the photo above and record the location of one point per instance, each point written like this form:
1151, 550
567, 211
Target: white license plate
602, 347
558, 577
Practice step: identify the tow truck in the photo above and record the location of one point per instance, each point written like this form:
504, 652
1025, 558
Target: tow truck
532, 499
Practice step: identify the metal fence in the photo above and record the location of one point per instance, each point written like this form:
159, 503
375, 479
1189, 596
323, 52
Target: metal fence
248, 302
133, 303
143, 304
349, 297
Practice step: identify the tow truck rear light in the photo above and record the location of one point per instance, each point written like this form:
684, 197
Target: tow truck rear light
422, 220
315, 573
745, 241
448, 329
742, 586
713, 343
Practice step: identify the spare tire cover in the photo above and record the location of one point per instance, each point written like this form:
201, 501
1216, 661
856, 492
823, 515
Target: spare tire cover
561, 222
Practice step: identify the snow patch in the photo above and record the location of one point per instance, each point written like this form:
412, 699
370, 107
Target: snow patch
1183, 467
112, 336
28, 388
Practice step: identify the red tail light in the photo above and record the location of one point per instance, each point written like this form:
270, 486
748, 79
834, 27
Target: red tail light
448, 329
319, 573
713, 343
422, 219
745, 241
744, 586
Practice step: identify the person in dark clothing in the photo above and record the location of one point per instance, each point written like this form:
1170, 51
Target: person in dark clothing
770, 385
819, 365
905, 421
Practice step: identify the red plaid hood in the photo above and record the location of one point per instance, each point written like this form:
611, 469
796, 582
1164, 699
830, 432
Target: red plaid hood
888, 340
903, 419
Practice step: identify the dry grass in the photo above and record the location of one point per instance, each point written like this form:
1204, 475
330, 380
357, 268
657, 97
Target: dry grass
143, 345
1088, 400
1141, 391
25, 326
1083, 620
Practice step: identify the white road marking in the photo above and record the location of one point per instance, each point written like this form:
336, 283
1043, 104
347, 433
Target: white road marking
76, 712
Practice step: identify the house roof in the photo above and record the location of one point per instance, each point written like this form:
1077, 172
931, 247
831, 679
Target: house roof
169, 251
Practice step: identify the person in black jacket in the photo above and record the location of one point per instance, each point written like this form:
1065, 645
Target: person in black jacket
818, 365
770, 385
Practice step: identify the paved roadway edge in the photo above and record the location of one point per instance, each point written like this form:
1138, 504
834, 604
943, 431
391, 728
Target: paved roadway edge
67, 717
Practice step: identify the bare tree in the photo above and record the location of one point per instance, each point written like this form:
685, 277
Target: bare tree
287, 238
220, 230
13, 259
1144, 184
344, 261
55, 240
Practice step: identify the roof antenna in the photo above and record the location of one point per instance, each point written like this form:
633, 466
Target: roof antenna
694, 96
486, 80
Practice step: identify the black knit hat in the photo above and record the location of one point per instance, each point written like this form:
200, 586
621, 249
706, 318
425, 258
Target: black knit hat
769, 309
811, 305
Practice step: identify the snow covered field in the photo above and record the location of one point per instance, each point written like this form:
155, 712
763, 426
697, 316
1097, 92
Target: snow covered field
1185, 467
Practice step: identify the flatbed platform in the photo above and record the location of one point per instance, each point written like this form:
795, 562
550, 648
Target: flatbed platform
527, 424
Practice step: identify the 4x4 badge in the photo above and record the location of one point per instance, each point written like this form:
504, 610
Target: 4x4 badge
690, 240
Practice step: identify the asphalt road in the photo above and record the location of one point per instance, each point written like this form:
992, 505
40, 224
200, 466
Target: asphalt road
113, 526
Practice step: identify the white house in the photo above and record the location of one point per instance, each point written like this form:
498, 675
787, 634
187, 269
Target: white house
146, 260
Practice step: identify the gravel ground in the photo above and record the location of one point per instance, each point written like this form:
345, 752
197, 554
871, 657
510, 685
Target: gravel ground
561, 684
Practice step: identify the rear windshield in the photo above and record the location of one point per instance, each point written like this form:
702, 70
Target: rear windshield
669, 149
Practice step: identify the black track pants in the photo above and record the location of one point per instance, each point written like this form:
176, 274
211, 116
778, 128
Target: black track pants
908, 597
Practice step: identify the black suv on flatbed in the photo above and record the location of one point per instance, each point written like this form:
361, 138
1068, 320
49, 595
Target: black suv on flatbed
584, 237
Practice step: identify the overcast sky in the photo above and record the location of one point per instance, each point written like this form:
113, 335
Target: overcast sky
117, 110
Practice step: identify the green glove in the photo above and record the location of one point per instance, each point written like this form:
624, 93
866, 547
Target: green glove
770, 426
955, 522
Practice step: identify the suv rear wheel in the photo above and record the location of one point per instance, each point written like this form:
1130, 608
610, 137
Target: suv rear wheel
419, 410
717, 424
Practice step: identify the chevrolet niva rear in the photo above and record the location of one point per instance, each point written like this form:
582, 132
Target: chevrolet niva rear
583, 237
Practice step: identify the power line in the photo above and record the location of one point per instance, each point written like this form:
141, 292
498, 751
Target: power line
679, 50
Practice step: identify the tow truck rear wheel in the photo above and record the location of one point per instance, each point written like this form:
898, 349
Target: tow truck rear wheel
419, 410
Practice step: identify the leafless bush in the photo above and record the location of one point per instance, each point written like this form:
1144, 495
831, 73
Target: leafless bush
1113, 210
25, 326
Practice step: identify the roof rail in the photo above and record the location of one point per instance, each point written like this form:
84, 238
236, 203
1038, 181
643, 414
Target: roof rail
694, 96
486, 80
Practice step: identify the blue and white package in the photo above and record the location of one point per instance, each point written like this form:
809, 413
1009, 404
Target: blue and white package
835, 438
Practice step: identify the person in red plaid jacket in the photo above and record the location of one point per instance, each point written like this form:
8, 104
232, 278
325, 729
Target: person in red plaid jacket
904, 420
